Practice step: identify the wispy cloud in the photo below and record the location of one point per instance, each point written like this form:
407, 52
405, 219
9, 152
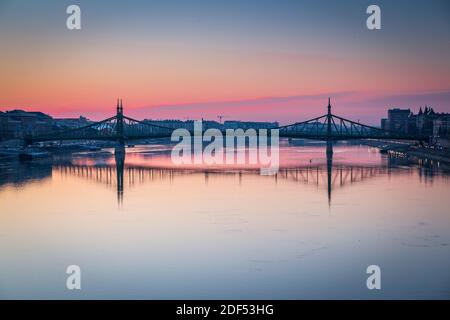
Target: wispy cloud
250, 102
440, 100
368, 107
272, 108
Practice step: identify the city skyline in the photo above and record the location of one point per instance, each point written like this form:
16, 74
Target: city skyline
218, 119
262, 61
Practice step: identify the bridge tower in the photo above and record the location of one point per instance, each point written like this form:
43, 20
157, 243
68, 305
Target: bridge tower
329, 133
119, 123
329, 119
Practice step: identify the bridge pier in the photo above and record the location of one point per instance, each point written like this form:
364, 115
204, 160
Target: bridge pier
329, 153
119, 155
329, 149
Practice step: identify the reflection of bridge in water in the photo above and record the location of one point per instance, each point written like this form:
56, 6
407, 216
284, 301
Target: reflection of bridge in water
328, 127
120, 175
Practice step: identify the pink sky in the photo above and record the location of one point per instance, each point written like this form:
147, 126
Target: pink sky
277, 62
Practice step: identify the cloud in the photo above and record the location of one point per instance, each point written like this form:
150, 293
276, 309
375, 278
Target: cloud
365, 107
255, 101
273, 108
440, 100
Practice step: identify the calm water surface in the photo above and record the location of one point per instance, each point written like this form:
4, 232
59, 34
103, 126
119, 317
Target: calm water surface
149, 230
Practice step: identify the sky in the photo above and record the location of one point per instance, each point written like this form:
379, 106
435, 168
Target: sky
264, 60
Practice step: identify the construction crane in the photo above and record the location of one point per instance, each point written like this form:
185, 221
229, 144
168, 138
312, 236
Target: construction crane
220, 117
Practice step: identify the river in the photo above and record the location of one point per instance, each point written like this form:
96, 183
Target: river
145, 228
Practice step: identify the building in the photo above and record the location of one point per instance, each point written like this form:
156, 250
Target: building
6, 132
441, 126
233, 124
172, 123
71, 123
398, 120
17, 124
384, 124
211, 124
426, 122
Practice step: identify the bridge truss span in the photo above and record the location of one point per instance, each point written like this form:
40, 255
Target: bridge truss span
331, 127
117, 128
121, 128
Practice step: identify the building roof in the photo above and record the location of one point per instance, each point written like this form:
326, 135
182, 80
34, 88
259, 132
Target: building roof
23, 113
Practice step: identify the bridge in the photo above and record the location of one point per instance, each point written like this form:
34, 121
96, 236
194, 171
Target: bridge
120, 128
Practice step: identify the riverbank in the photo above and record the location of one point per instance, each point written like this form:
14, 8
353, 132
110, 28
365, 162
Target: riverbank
30, 153
409, 150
